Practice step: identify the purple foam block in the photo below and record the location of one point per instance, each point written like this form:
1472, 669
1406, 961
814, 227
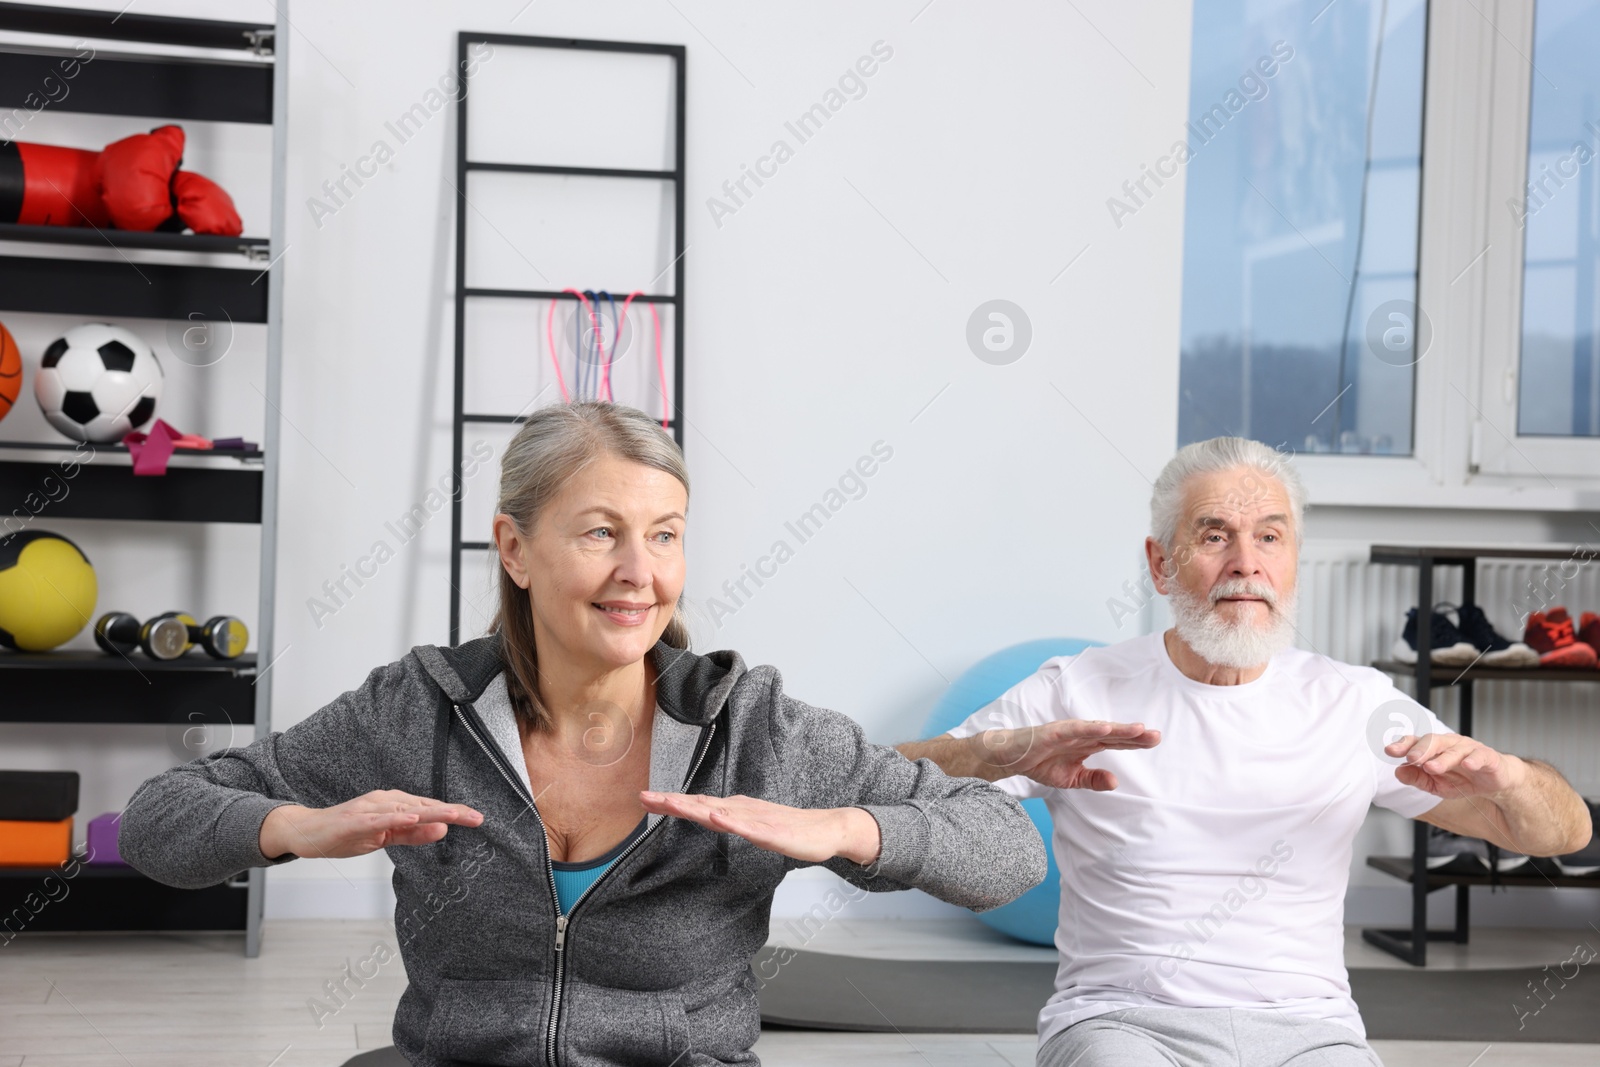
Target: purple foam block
103, 839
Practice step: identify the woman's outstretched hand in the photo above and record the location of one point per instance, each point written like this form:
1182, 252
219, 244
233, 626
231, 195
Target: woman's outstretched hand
365, 824
813, 835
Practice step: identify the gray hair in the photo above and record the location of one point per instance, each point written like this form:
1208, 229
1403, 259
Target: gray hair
1211, 457
555, 445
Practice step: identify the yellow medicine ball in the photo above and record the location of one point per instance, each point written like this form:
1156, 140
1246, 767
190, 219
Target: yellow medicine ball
47, 590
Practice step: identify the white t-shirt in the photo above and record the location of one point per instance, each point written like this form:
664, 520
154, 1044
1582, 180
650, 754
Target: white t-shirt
1214, 875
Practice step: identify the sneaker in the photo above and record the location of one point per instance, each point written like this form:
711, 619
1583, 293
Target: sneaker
1496, 650
1585, 861
1450, 853
1551, 635
1589, 630
1450, 649
1504, 861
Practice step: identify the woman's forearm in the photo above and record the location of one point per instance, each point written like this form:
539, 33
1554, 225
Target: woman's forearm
861, 839
188, 829
277, 835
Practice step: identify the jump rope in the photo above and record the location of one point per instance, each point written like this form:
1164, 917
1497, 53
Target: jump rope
598, 379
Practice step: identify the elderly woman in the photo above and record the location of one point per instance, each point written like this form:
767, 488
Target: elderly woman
587, 820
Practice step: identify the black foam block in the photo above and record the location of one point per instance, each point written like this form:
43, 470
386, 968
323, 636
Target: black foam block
45, 796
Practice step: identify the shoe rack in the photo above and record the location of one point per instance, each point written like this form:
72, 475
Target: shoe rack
1411, 944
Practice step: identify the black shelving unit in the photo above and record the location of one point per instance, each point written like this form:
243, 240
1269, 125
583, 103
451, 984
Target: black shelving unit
253, 247
147, 85
109, 898
1411, 944
84, 687
461, 418
107, 491
108, 287
225, 487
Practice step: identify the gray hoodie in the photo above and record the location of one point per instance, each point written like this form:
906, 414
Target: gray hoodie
652, 964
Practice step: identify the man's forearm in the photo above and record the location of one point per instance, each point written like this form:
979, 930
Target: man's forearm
1543, 814
959, 757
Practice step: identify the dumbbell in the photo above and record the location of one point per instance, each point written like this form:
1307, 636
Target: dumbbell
222, 636
164, 637
170, 634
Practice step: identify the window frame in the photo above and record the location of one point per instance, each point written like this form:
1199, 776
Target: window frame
1502, 452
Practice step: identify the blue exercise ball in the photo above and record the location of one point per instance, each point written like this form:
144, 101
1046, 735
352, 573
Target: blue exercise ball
1032, 916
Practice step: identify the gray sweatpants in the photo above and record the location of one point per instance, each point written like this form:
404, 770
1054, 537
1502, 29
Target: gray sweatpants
1205, 1037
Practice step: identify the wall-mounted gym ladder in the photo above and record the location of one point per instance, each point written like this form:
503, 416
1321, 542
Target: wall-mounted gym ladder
463, 292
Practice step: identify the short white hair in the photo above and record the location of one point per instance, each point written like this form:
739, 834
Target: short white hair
1212, 457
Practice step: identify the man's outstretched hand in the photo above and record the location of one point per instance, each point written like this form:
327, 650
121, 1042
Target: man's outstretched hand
1454, 765
1519, 804
1053, 754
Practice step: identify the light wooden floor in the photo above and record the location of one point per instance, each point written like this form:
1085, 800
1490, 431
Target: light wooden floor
176, 1000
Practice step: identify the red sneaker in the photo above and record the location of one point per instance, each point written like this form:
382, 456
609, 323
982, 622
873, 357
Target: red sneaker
1589, 630
1553, 638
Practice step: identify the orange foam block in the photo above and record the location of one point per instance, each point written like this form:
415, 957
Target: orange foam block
31, 843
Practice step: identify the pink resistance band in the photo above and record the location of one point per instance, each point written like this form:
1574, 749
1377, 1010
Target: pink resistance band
661, 366
605, 369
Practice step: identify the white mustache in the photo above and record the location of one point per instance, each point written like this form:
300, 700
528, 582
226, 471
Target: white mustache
1242, 587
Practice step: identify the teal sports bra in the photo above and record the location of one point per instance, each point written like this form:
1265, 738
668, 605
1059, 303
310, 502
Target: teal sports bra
573, 878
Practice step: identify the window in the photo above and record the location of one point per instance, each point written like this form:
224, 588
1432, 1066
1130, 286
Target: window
1392, 246
1559, 386
1535, 421
1299, 319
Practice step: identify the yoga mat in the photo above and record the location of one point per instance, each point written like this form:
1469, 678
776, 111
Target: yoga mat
818, 991
821, 991
1481, 1005
388, 1056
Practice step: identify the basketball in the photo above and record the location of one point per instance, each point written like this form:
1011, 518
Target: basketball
10, 371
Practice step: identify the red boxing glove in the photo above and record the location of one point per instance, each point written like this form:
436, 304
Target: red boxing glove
204, 206
133, 184
135, 177
47, 185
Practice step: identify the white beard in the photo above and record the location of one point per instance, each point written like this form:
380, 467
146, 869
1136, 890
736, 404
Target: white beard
1239, 645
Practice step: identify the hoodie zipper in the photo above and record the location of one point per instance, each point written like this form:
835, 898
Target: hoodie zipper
494, 757
562, 921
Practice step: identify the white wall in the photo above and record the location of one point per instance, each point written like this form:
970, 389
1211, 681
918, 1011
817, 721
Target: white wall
825, 315
816, 326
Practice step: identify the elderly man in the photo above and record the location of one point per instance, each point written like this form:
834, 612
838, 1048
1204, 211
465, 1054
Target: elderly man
1205, 848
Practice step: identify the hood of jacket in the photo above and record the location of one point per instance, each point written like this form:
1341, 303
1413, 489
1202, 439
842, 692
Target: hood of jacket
690, 687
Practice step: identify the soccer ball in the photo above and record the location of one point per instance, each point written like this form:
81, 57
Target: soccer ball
98, 383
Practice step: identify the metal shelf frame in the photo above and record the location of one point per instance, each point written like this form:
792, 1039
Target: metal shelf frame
460, 417
252, 89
